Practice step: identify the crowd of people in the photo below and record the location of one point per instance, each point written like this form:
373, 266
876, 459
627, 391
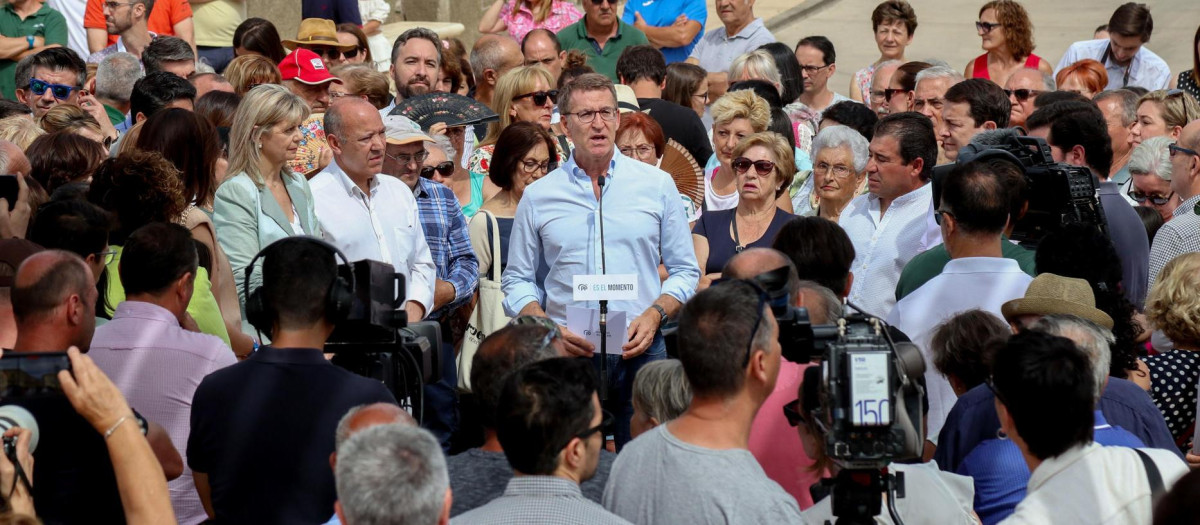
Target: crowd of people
182, 183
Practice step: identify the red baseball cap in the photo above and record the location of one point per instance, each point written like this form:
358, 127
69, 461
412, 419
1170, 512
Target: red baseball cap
305, 67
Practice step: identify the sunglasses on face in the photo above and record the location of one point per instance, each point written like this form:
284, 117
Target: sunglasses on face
601, 2
891, 92
1157, 200
763, 167
1176, 149
444, 168
986, 27
333, 53
791, 411
937, 216
1022, 94
60, 91
606, 419
540, 97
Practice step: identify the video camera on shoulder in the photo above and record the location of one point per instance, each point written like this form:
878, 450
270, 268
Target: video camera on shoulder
1059, 194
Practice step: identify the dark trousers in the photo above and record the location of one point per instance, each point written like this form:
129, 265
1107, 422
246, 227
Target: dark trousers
440, 401
217, 57
620, 385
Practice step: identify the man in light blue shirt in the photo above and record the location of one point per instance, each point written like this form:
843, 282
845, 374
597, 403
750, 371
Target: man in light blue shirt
1124, 53
739, 34
673, 26
556, 237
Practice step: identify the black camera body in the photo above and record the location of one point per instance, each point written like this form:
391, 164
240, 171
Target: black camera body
1059, 194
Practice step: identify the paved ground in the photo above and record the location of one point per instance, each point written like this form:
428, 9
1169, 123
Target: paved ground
947, 30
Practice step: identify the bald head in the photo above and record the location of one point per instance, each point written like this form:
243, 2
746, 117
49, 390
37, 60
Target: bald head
492, 56
13, 159
756, 261
348, 111
366, 416
53, 300
1190, 136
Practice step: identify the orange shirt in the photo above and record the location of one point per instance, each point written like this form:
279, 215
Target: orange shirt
163, 17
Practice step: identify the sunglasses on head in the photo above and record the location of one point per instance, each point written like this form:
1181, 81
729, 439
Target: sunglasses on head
444, 168
60, 91
539, 97
1022, 94
763, 167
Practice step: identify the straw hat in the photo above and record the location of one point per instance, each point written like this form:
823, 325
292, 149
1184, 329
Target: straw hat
317, 32
1054, 294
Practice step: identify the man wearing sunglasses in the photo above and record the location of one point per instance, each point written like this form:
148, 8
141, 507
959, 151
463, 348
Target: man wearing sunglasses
1023, 87
320, 36
26, 28
551, 426
51, 77
1181, 234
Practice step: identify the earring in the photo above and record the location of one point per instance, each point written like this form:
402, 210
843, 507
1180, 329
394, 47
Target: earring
1000, 434
259, 145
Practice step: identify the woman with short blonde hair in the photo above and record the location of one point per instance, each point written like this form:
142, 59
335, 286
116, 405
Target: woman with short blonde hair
247, 71
361, 80
736, 115
1163, 113
1173, 306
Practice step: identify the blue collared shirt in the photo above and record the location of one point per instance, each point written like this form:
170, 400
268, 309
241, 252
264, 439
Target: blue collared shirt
449, 243
555, 237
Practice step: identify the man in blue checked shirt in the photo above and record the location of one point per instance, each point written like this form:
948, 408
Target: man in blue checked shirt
449, 245
556, 237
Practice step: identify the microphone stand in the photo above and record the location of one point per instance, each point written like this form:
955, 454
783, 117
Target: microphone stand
603, 303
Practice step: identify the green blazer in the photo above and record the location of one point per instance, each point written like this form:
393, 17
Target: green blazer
248, 219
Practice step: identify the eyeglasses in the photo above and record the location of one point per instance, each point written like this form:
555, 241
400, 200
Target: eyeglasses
813, 69
641, 151
878, 94
532, 166
587, 116
444, 168
986, 27
606, 419
702, 96
937, 216
791, 411
1157, 200
839, 170
763, 167
540, 97
107, 256
1023, 94
1176, 149
333, 53
340, 94
418, 158
60, 91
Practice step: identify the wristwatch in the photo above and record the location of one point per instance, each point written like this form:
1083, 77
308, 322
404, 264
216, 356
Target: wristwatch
29, 39
662, 320
142, 423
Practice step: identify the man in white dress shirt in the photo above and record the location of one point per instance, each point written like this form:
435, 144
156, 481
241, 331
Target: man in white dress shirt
368, 216
1123, 52
974, 211
892, 223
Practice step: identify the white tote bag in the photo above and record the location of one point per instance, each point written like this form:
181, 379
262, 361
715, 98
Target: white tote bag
488, 315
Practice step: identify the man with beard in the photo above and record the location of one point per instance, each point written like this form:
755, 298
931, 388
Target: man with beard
416, 64
129, 21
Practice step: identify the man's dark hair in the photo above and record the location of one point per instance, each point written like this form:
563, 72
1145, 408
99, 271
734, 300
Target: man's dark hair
906, 74
641, 62
791, 77
976, 197
66, 276
820, 249
1132, 19
853, 114
1051, 97
156, 90
1077, 124
716, 330
914, 132
762, 88
1012, 175
155, 256
542, 407
985, 98
822, 44
420, 32
76, 226
545, 32
11, 108
1034, 367
296, 277
258, 35
963, 346
54, 59
165, 49
503, 351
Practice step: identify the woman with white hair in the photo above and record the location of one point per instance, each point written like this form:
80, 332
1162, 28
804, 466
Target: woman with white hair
760, 65
839, 173
1150, 165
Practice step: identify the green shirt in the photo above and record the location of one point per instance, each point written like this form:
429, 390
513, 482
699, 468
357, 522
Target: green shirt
114, 115
603, 60
929, 264
46, 23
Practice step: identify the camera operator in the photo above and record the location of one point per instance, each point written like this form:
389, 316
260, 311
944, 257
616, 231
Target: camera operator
667, 474
54, 300
973, 212
1078, 135
19, 502
1045, 397
262, 430
773, 441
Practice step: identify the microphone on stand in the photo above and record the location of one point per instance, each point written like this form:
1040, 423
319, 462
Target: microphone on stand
603, 302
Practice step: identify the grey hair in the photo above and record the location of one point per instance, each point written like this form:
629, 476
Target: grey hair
832, 307
391, 474
1152, 157
582, 83
116, 75
442, 142
936, 62
1129, 103
759, 63
1093, 339
939, 72
1048, 80
4, 158
838, 136
661, 390
419, 32
488, 54
166, 49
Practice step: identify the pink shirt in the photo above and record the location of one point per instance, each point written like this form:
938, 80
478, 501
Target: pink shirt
776, 444
562, 14
158, 365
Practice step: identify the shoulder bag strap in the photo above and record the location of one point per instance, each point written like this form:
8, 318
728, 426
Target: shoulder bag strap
493, 229
1153, 475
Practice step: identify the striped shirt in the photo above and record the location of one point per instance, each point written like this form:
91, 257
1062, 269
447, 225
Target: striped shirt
449, 243
1178, 236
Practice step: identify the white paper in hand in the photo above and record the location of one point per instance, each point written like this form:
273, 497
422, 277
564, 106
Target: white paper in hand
586, 322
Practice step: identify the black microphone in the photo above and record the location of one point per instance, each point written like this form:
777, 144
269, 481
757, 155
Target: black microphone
603, 302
